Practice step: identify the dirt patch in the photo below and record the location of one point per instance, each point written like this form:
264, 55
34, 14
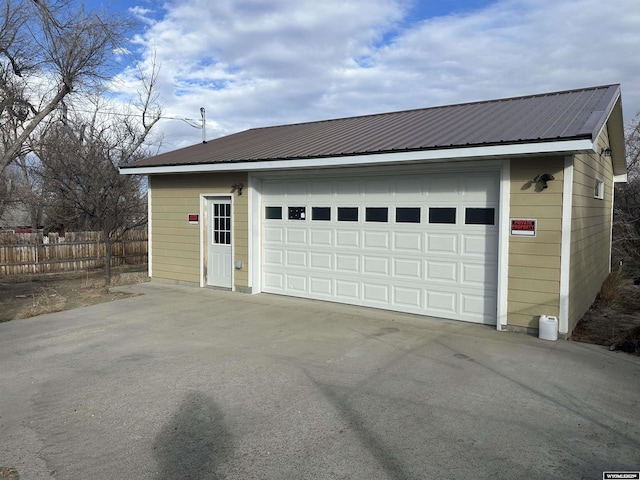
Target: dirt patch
23, 297
614, 318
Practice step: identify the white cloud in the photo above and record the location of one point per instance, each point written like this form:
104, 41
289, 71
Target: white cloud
255, 62
142, 13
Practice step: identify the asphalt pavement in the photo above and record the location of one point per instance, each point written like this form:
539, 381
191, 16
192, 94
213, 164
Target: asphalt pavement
190, 383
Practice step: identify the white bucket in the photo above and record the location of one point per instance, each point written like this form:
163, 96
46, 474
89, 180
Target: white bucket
548, 328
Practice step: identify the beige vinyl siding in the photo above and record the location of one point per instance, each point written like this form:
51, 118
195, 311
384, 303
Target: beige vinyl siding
590, 230
175, 243
534, 262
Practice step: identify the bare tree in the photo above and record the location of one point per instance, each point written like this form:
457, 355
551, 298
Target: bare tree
626, 236
48, 50
9, 193
632, 137
80, 156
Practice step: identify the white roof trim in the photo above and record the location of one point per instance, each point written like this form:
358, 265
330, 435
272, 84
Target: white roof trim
372, 159
620, 178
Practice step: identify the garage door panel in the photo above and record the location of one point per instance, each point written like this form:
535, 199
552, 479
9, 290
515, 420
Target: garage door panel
477, 306
296, 236
375, 293
348, 238
321, 260
375, 265
478, 274
442, 271
321, 238
441, 302
347, 290
479, 245
273, 257
408, 297
297, 283
407, 268
346, 263
321, 286
296, 259
441, 243
273, 235
274, 281
377, 240
437, 269
407, 242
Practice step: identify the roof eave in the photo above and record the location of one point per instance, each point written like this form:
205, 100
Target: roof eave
434, 155
615, 126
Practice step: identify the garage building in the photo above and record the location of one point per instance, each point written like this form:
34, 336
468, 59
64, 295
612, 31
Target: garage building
493, 212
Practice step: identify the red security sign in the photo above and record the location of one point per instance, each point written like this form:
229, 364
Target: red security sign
525, 227
193, 219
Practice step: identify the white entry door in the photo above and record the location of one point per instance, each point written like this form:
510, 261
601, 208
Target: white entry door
219, 264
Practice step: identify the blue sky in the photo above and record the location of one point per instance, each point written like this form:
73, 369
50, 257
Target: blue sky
420, 10
254, 63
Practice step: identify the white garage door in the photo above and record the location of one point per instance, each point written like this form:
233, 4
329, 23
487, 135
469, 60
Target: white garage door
425, 244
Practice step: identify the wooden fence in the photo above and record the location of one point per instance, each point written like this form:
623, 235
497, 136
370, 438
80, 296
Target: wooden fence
35, 253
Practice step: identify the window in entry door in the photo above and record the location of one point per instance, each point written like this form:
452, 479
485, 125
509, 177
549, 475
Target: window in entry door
222, 223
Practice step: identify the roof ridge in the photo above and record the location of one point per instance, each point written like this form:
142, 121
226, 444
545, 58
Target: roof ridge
437, 107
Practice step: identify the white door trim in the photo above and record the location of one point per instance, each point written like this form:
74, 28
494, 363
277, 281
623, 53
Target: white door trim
204, 224
503, 245
254, 184
565, 248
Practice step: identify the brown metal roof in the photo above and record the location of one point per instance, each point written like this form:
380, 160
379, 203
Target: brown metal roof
567, 115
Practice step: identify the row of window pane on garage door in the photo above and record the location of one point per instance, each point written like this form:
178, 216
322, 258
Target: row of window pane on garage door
441, 215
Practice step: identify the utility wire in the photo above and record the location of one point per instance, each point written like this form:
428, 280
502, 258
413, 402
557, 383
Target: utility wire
117, 114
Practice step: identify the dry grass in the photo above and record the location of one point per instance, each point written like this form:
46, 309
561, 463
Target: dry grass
628, 299
614, 318
24, 297
628, 336
619, 292
612, 289
9, 473
46, 300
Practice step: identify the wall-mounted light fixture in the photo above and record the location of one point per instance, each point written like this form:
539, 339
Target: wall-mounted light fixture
606, 152
238, 187
543, 178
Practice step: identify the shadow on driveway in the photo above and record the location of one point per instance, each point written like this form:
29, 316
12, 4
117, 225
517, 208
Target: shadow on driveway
194, 442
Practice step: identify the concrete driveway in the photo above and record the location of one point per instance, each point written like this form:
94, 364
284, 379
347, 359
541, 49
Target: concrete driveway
195, 383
